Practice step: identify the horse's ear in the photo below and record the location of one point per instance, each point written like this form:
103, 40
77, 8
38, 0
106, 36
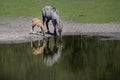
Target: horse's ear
54, 9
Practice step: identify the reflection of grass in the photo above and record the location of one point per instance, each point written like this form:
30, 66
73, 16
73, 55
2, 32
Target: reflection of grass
98, 11
88, 58
83, 58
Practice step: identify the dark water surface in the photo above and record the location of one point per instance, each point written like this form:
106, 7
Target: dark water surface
69, 58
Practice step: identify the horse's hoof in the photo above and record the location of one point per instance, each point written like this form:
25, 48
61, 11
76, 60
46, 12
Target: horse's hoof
31, 33
48, 32
39, 32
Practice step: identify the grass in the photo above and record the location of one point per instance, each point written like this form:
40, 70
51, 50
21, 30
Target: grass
83, 11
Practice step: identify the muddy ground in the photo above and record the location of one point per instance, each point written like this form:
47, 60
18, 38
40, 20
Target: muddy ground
16, 30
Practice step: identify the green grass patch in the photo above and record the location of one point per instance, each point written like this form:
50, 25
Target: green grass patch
83, 11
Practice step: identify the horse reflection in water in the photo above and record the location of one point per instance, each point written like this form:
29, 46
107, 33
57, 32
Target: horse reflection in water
50, 54
39, 48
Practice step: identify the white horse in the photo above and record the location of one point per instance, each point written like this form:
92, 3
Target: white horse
51, 13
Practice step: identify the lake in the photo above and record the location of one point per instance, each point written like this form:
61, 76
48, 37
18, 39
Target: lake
66, 58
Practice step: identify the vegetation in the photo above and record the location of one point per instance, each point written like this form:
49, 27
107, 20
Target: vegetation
87, 11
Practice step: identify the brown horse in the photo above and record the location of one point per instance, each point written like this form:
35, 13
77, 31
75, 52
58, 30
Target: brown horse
37, 22
39, 49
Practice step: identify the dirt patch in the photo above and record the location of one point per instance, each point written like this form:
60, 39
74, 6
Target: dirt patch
16, 30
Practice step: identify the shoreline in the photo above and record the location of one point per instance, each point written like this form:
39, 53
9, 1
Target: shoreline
17, 30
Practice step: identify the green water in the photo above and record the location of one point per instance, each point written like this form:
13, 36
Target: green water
72, 58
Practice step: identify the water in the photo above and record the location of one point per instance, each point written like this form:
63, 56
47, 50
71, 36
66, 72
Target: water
69, 58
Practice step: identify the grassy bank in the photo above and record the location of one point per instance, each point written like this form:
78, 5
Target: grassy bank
86, 11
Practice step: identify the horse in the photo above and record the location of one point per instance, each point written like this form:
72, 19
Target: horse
52, 53
39, 48
50, 13
39, 23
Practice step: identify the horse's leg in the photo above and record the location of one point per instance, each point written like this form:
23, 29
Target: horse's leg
54, 24
43, 31
32, 28
43, 18
47, 26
